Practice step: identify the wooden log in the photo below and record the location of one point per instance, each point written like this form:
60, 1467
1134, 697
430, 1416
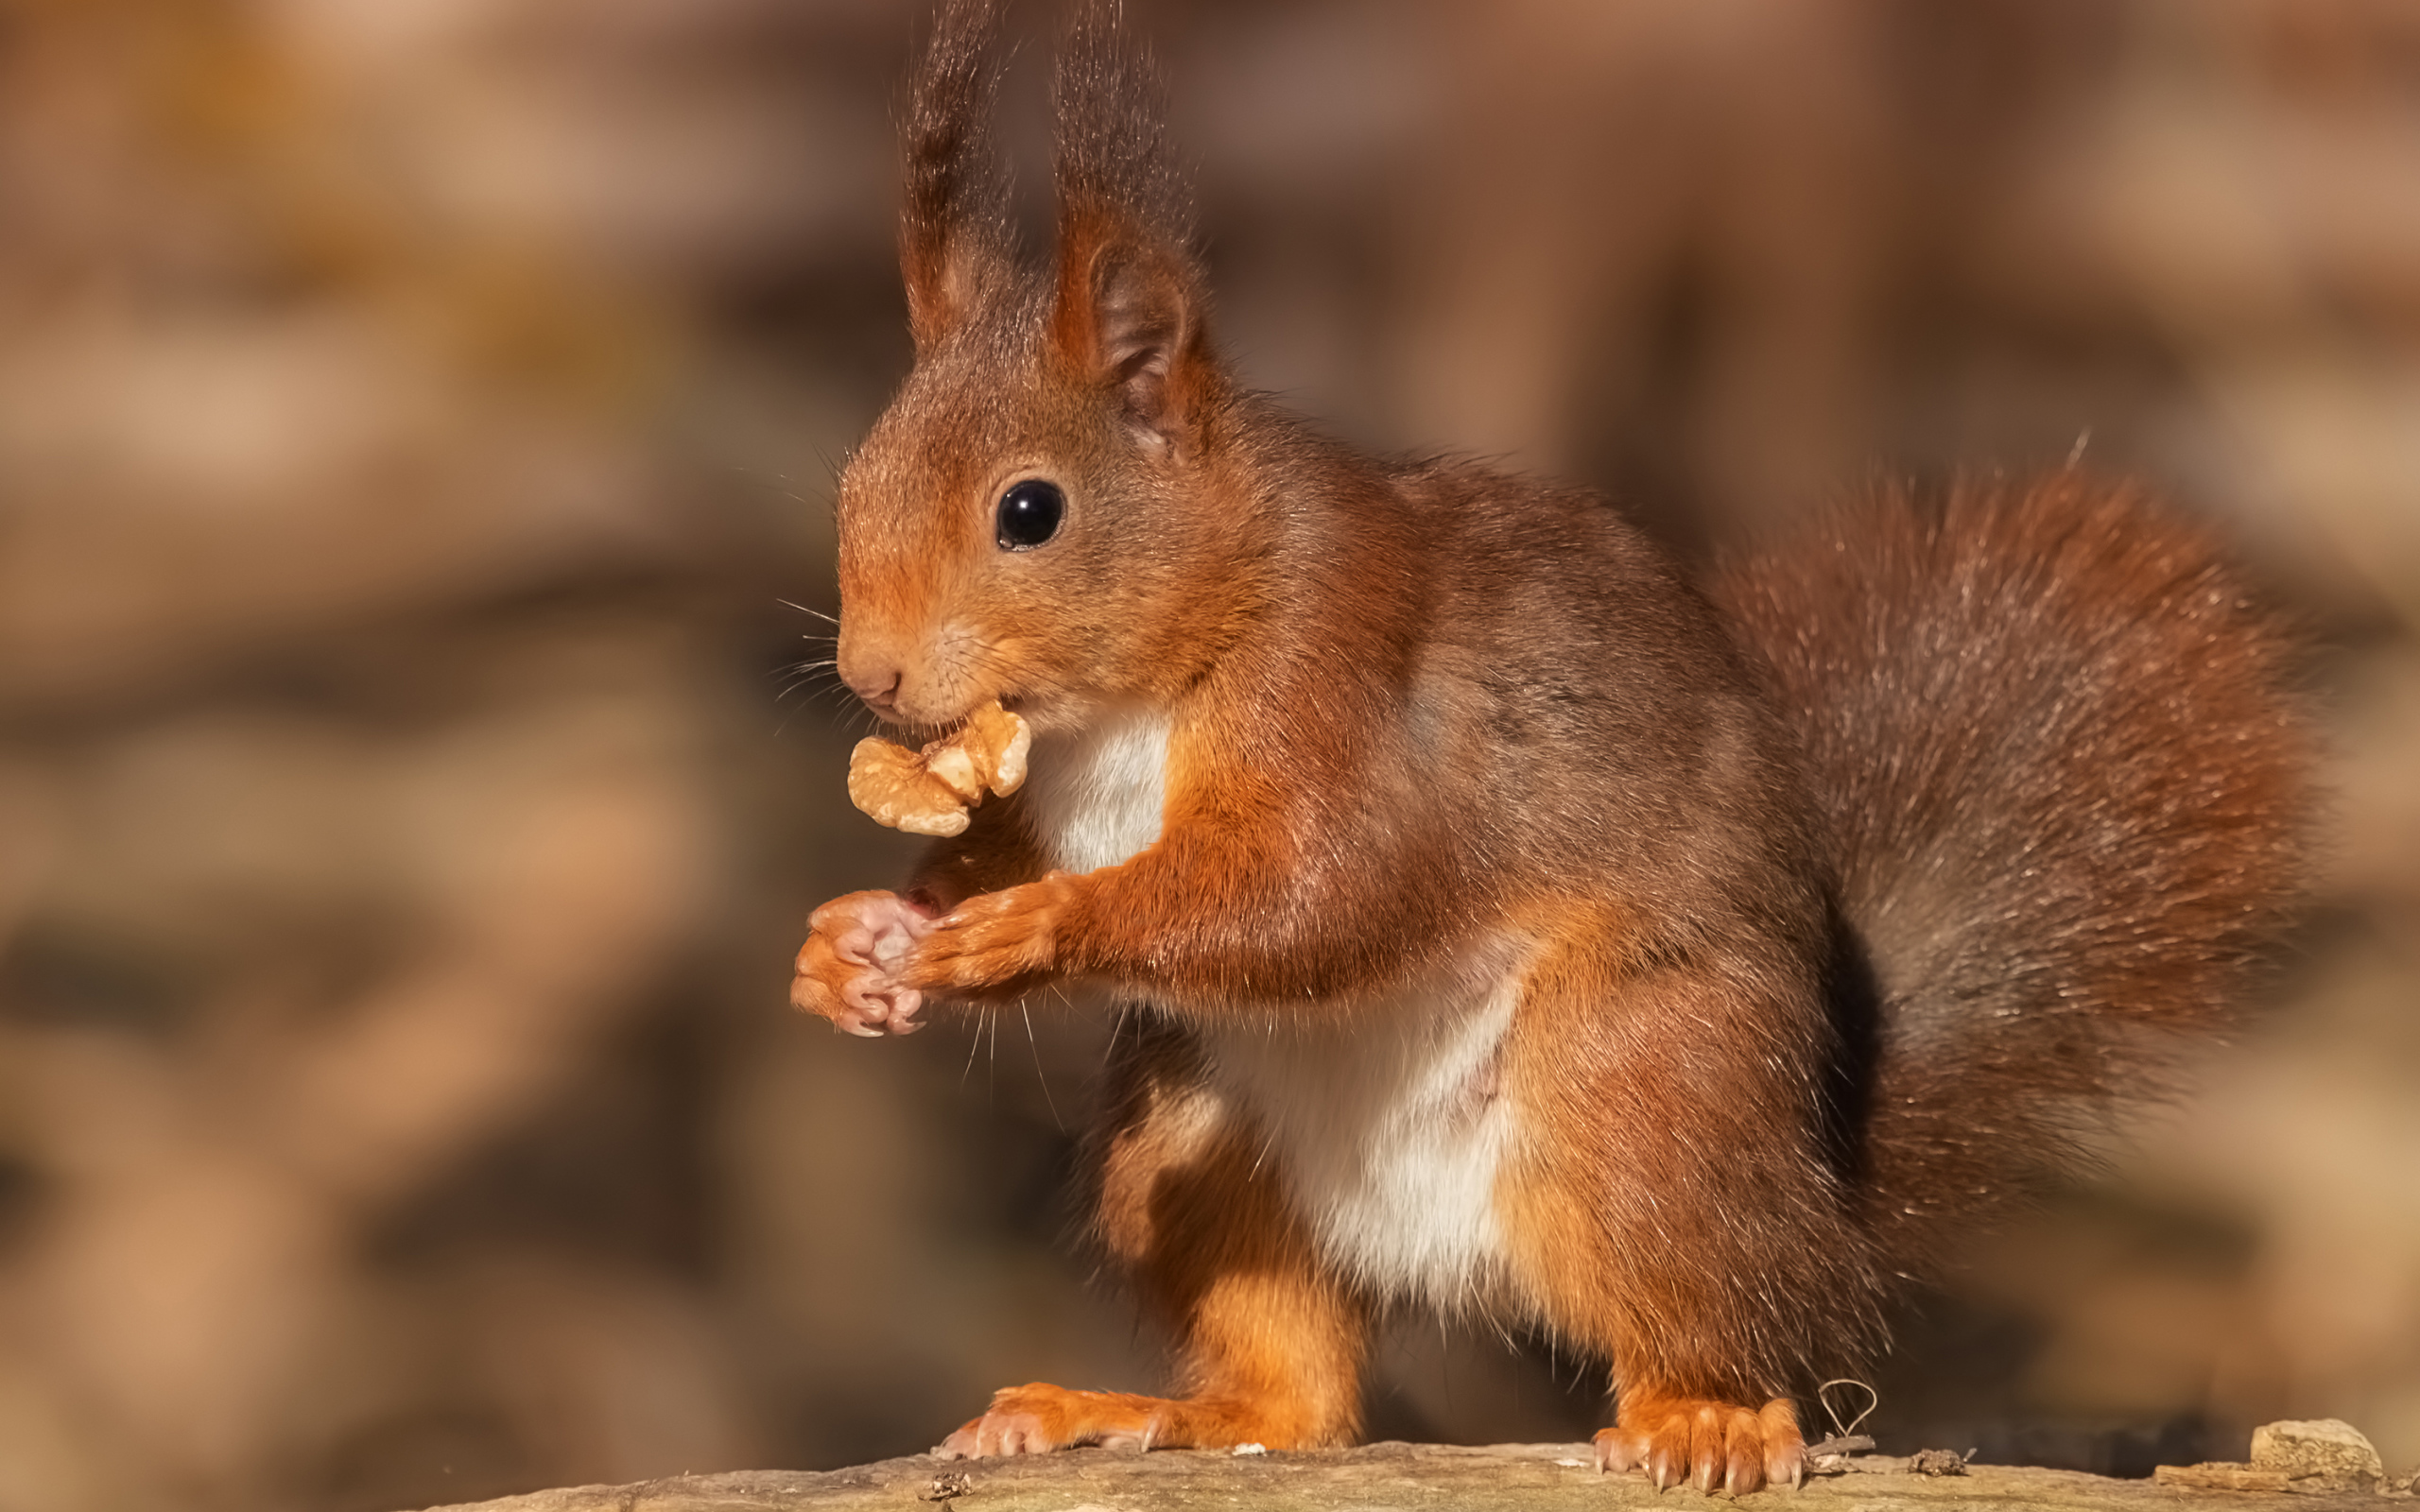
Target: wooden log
1392, 1477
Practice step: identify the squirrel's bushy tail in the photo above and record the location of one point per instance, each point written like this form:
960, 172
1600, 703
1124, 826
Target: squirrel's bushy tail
2071, 782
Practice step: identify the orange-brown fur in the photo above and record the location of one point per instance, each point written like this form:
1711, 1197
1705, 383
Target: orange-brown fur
1815, 909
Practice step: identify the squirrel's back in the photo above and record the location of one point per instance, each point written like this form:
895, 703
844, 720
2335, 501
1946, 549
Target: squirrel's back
2068, 778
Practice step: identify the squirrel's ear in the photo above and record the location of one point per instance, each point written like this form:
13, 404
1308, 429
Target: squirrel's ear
946, 278
952, 231
1131, 313
1129, 317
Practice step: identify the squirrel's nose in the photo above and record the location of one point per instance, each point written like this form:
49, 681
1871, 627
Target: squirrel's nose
877, 684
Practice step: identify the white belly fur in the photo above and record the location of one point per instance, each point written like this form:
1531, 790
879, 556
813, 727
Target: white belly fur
1385, 1115
1391, 1126
1094, 798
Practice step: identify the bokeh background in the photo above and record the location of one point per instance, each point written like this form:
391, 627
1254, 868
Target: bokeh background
417, 421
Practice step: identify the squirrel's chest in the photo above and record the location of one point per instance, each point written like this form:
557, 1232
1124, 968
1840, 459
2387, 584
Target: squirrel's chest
1390, 1125
1094, 800
1386, 1118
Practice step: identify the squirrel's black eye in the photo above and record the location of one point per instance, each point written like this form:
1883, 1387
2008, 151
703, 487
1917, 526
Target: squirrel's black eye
1029, 514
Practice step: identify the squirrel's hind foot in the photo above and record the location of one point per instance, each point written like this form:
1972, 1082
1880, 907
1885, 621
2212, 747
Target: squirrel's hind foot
1038, 1418
1712, 1445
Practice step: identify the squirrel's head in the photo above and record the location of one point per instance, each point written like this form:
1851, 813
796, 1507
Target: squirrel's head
1036, 517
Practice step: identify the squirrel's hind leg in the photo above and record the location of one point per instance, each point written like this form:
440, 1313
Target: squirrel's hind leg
1677, 1208
1269, 1344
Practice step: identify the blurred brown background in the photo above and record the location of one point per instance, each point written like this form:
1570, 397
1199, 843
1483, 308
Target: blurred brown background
412, 416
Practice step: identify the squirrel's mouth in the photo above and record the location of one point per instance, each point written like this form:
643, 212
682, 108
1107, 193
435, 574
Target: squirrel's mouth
928, 731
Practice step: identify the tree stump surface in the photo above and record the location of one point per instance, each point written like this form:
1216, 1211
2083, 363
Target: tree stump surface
1391, 1477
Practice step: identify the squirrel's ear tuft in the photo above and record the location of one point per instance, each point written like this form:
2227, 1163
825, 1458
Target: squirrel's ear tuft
1131, 313
953, 244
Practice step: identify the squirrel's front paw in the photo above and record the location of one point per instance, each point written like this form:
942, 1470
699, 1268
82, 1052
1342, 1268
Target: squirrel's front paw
1712, 1445
848, 969
997, 944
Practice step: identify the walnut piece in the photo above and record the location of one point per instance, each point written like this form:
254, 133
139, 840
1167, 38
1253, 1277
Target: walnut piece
929, 790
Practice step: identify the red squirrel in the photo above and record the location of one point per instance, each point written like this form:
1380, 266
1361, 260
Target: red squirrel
1515, 926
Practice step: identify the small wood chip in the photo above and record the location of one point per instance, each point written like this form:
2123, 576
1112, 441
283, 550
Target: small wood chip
2217, 1477
1841, 1444
2328, 1448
